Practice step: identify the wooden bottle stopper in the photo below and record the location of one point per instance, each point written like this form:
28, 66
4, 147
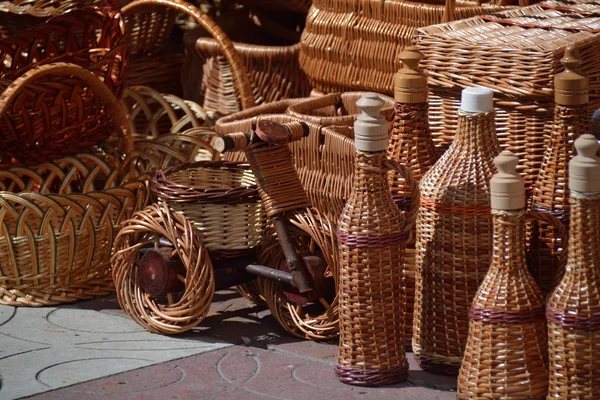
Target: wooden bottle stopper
507, 187
371, 128
584, 168
571, 86
410, 82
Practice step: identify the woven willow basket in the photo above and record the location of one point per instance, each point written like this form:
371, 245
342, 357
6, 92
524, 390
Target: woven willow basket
273, 71
222, 201
526, 56
354, 45
46, 113
149, 24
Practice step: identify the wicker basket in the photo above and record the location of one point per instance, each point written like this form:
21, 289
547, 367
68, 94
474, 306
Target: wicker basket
526, 56
274, 73
149, 24
48, 113
220, 198
59, 220
354, 45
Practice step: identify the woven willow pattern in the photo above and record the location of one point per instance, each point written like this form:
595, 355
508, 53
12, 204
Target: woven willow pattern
154, 114
273, 71
58, 224
551, 193
335, 109
221, 200
372, 236
454, 239
506, 351
573, 308
526, 57
48, 112
312, 234
174, 313
354, 45
149, 23
411, 145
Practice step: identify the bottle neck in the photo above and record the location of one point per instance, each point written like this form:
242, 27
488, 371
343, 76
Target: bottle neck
410, 141
509, 241
476, 134
370, 174
584, 232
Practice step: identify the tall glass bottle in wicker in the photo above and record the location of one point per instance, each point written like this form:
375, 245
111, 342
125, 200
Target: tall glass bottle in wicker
551, 194
454, 236
506, 352
573, 308
410, 144
372, 239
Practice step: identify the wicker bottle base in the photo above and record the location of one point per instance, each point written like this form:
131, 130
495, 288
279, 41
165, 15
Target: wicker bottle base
370, 377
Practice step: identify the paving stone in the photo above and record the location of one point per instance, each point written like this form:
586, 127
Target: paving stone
237, 373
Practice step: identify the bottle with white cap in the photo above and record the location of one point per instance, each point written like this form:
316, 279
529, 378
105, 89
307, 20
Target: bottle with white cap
506, 352
454, 235
573, 308
550, 192
372, 234
410, 144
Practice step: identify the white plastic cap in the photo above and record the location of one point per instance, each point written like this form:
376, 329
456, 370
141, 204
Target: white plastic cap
370, 128
477, 100
507, 187
584, 168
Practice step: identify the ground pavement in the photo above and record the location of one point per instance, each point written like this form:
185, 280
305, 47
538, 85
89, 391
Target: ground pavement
92, 350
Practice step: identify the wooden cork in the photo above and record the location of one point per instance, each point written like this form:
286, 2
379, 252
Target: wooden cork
584, 168
571, 86
507, 186
410, 82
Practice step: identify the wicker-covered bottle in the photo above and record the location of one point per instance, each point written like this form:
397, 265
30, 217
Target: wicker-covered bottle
454, 236
410, 144
506, 352
551, 194
372, 238
573, 308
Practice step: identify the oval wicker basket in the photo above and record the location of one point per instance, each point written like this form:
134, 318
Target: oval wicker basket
46, 113
220, 198
273, 71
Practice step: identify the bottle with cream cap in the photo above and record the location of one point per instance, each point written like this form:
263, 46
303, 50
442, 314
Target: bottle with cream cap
372, 234
454, 235
506, 352
550, 193
573, 308
410, 144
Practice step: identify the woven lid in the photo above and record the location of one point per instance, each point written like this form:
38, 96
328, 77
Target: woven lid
584, 168
507, 186
410, 82
477, 100
571, 85
371, 128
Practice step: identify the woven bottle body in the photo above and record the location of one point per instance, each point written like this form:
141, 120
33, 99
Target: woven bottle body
412, 146
371, 296
454, 242
574, 306
551, 193
506, 350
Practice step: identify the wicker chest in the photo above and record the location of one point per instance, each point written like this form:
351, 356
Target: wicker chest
515, 53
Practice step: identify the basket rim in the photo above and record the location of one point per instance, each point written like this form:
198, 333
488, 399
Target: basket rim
168, 190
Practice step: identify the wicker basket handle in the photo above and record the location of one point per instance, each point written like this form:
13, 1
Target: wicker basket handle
449, 9
108, 99
269, 132
237, 66
410, 215
544, 216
